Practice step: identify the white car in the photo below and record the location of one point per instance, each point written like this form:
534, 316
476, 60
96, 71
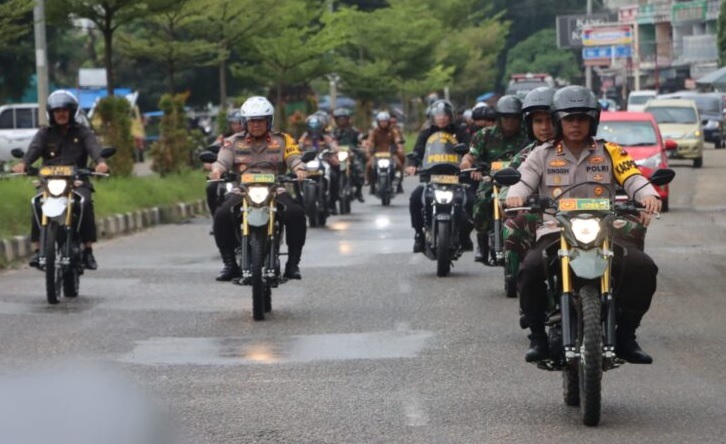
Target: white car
18, 125
638, 99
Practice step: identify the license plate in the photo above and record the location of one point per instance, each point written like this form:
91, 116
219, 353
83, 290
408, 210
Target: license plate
56, 170
584, 204
258, 178
499, 165
444, 179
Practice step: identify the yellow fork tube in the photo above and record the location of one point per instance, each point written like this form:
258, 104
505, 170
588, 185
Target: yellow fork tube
495, 198
44, 219
245, 226
271, 224
69, 208
605, 280
565, 265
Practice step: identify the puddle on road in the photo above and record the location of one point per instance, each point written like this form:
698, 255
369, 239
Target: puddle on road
296, 349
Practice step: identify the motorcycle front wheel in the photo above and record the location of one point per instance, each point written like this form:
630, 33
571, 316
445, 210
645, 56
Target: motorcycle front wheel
590, 362
443, 241
310, 199
72, 273
53, 274
257, 260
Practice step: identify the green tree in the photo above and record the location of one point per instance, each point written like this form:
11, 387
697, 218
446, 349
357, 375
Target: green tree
165, 39
722, 34
115, 130
171, 153
13, 21
230, 23
539, 53
294, 50
108, 16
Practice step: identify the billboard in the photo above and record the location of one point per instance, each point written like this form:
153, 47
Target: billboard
569, 27
607, 36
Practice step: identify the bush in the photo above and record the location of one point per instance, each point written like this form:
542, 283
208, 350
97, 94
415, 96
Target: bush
115, 130
172, 153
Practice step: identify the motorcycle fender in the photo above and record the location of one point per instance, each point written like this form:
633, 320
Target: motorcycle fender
54, 206
443, 216
258, 217
588, 264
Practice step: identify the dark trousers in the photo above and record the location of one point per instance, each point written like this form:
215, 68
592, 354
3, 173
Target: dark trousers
212, 188
227, 222
334, 183
87, 229
634, 273
416, 209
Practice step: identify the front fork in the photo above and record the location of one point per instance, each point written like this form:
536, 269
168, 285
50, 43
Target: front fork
271, 269
498, 243
569, 328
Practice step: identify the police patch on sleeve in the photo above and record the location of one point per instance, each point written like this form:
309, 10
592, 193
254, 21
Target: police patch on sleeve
291, 147
623, 165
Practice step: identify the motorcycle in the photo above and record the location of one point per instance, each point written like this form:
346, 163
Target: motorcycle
346, 192
260, 233
315, 190
581, 326
384, 177
58, 209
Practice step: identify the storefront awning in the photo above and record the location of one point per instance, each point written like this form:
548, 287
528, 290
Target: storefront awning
716, 79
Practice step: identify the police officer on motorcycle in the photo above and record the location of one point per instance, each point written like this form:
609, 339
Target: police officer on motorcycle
65, 142
255, 144
489, 144
442, 114
566, 161
347, 134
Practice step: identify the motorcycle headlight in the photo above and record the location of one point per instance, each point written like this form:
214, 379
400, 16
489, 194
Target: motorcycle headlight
229, 186
651, 162
342, 156
258, 195
56, 187
712, 124
313, 164
585, 230
443, 196
384, 163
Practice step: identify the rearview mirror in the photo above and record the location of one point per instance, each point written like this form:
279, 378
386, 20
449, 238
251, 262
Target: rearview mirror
208, 157
461, 149
17, 153
107, 152
214, 148
507, 176
309, 155
662, 177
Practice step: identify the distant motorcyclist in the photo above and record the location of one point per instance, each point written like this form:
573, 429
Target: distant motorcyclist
572, 157
482, 116
442, 113
487, 145
317, 137
384, 138
347, 134
65, 142
259, 143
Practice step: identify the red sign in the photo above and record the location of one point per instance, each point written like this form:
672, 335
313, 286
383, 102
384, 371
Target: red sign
628, 14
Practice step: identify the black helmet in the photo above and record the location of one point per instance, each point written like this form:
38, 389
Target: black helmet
539, 99
442, 107
341, 112
234, 116
575, 99
483, 112
509, 106
62, 99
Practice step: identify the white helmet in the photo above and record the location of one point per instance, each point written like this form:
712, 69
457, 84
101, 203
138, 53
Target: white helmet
467, 114
383, 115
480, 105
256, 107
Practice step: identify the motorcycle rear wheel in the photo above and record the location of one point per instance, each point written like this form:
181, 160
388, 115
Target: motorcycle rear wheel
310, 199
443, 240
590, 362
53, 274
257, 259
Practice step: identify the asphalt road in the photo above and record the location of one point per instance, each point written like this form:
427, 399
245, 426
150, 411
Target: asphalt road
370, 347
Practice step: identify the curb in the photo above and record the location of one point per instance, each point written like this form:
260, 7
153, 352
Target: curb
18, 247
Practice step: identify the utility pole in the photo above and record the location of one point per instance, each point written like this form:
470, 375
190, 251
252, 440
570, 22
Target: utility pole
41, 60
588, 69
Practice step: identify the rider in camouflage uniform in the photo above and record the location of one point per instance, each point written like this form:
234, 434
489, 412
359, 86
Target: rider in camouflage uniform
499, 142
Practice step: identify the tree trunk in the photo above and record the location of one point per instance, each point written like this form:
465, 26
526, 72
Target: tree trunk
107, 58
223, 85
170, 73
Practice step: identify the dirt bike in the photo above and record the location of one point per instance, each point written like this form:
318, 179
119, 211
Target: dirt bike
581, 325
346, 157
384, 177
260, 233
58, 209
315, 190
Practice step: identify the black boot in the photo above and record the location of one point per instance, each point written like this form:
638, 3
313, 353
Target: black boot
231, 269
399, 188
35, 259
539, 348
359, 194
465, 241
418, 242
89, 262
482, 248
625, 345
292, 268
